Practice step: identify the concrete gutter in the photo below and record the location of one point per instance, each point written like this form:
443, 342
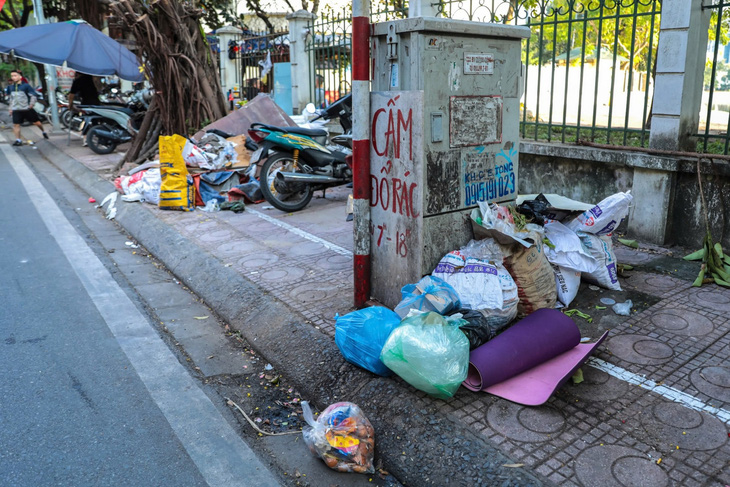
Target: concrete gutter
438, 450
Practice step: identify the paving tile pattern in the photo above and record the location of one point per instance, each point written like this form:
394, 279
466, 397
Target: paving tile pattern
602, 432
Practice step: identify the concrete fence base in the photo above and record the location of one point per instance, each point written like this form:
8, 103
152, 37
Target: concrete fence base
667, 209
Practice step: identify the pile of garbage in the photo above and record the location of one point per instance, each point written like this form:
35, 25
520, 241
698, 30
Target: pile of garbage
211, 174
468, 308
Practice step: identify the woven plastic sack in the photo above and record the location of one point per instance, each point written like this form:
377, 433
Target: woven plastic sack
341, 436
606, 275
534, 277
481, 285
429, 294
360, 336
175, 192
429, 352
603, 218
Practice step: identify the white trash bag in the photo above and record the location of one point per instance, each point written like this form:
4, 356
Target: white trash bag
568, 252
603, 218
606, 275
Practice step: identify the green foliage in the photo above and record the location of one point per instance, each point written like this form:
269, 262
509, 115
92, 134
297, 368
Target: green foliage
629, 30
722, 75
217, 13
15, 13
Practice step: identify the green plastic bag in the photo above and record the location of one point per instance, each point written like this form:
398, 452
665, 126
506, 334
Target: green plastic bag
429, 352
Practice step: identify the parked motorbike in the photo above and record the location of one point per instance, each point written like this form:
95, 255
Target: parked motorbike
297, 160
107, 126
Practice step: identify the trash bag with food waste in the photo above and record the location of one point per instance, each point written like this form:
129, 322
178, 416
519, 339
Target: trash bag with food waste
341, 436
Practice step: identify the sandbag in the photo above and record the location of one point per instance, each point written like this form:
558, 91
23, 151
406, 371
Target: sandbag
428, 352
360, 336
429, 294
606, 275
603, 218
175, 192
534, 277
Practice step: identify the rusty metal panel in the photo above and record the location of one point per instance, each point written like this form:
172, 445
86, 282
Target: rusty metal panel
397, 186
260, 109
475, 120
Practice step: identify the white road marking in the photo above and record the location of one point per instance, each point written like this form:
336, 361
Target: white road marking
220, 454
334, 248
665, 391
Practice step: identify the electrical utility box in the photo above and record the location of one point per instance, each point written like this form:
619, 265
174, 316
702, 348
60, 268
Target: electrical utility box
444, 109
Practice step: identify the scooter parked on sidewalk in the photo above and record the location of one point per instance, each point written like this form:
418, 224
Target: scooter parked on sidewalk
298, 162
107, 126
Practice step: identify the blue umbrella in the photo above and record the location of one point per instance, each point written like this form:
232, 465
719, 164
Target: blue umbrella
82, 47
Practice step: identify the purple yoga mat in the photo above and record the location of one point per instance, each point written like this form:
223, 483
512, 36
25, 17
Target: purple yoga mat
530, 360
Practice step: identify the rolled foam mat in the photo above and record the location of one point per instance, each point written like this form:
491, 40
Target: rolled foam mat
530, 360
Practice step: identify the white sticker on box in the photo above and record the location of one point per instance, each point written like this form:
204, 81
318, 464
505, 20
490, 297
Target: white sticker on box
478, 63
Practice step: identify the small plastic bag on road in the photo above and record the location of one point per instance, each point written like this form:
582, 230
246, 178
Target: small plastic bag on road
623, 309
341, 436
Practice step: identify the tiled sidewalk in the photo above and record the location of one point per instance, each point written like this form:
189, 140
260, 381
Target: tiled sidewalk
602, 432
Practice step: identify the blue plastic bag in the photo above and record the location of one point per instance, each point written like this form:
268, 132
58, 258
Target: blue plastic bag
360, 336
429, 294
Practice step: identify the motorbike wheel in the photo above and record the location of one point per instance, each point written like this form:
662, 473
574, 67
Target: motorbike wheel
98, 144
66, 116
282, 195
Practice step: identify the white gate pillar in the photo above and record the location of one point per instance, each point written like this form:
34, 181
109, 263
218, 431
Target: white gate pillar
302, 67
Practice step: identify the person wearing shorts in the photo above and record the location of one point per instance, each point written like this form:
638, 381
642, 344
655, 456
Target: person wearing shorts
21, 99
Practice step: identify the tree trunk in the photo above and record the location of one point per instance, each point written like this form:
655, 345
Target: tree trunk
179, 64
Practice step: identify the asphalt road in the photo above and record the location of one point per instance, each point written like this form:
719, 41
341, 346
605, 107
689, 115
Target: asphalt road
90, 393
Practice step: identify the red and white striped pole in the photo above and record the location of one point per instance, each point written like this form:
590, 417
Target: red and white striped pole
361, 148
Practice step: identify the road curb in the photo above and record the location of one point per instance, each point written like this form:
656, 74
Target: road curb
418, 444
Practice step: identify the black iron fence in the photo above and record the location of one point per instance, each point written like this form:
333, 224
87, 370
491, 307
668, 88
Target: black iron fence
255, 55
714, 123
329, 46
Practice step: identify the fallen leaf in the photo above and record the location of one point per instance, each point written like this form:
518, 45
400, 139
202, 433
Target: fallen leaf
514, 465
629, 243
578, 376
201, 317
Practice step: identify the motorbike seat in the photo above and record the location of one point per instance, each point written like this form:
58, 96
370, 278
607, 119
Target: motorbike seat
297, 130
117, 108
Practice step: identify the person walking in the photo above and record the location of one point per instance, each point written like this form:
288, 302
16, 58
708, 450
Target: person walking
84, 90
21, 99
